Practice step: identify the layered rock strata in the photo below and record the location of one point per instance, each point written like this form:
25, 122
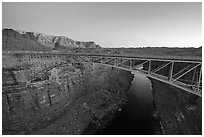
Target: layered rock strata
31, 41
66, 99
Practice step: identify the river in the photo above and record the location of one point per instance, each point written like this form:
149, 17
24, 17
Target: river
136, 117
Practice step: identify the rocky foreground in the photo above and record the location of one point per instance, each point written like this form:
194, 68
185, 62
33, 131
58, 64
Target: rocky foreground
70, 99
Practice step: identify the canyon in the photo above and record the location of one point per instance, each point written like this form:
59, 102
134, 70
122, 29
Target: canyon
57, 95
83, 98
67, 99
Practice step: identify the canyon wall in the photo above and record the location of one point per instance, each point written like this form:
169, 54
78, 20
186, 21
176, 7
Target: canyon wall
178, 111
61, 99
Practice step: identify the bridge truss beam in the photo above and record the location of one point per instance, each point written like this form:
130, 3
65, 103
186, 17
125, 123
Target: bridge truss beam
185, 75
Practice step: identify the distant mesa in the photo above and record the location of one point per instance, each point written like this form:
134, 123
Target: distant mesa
31, 41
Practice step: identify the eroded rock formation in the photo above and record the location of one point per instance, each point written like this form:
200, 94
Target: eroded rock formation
20, 40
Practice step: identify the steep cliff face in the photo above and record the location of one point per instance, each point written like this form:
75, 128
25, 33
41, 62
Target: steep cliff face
12, 40
20, 40
65, 100
45, 40
90, 44
179, 112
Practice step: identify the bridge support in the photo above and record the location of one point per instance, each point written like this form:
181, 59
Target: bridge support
193, 78
187, 72
199, 79
149, 69
115, 62
130, 64
171, 71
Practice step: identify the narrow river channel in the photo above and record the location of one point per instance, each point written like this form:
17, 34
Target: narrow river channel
136, 118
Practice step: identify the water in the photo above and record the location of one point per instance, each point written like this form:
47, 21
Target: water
136, 118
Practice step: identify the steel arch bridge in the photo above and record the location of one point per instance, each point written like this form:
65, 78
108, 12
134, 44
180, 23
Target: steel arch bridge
183, 74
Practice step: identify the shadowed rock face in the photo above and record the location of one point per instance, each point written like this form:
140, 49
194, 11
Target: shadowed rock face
179, 112
10, 37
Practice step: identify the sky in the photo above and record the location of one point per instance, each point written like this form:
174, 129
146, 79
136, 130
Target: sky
114, 25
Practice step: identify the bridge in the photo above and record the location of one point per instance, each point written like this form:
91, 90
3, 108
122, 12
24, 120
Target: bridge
181, 73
